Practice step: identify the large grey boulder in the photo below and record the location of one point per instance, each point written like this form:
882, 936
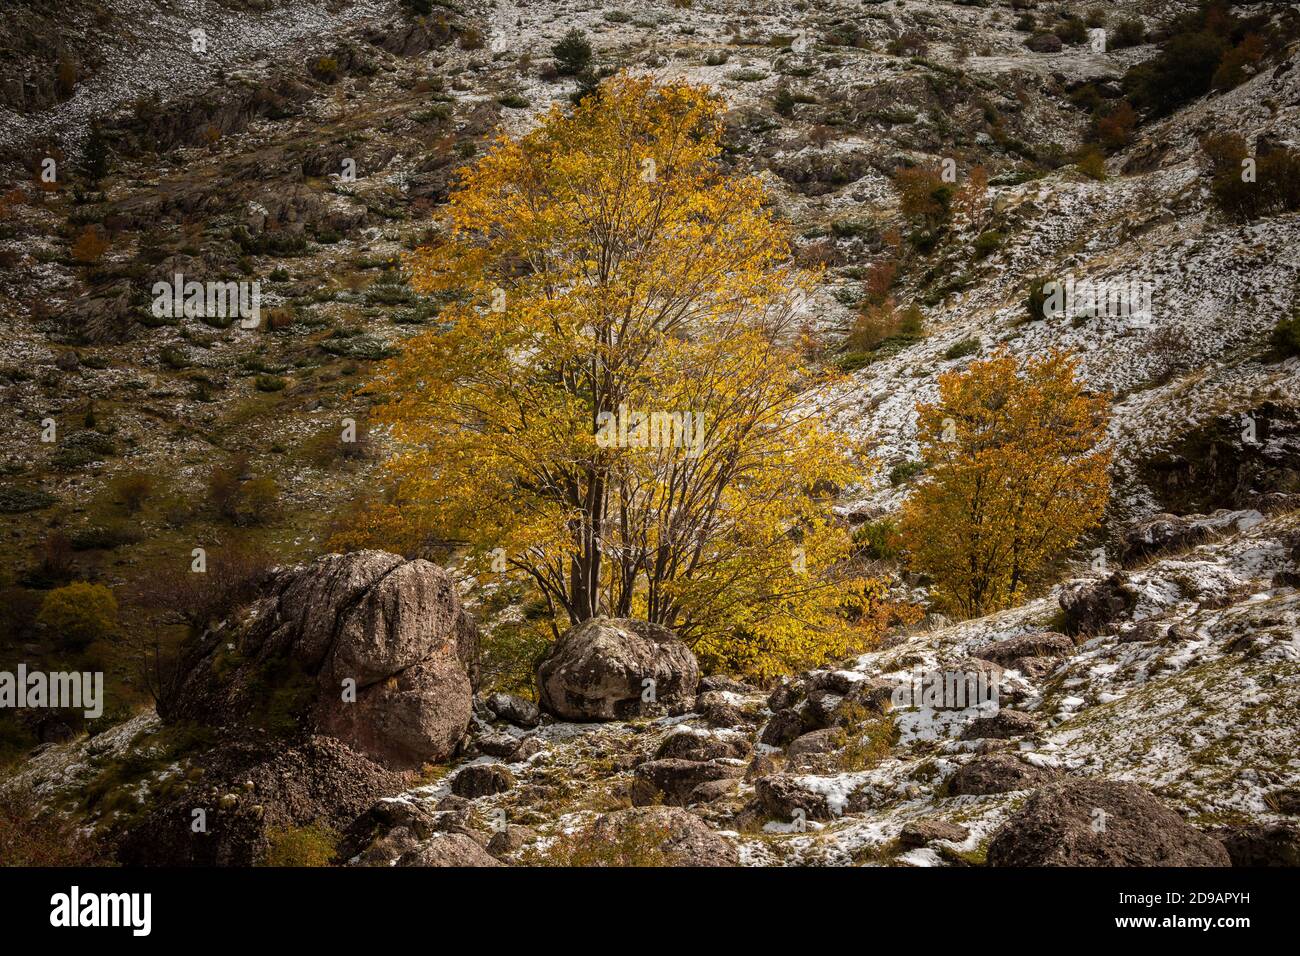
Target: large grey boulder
1100, 823
617, 669
366, 647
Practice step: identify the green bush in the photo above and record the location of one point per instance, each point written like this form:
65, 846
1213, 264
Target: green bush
301, 846
131, 490
15, 499
962, 349
572, 54
259, 499
1275, 188
1286, 337
80, 613
1127, 33
902, 473
104, 537
1072, 31
1036, 300
987, 243
877, 540
1182, 71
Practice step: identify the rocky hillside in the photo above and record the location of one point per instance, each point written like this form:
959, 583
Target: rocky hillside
305, 147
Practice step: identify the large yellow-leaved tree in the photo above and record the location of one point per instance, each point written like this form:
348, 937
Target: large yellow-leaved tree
608, 409
1014, 476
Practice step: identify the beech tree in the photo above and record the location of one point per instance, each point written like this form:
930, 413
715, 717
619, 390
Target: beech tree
609, 407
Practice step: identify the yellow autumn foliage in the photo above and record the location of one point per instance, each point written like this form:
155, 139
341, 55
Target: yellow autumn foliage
608, 408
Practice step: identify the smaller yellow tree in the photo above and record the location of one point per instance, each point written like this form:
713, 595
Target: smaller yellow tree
1014, 477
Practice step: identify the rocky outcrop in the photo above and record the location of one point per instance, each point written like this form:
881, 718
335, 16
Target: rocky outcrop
1167, 532
1100, 823
1090, 606
617, 669
364, 647
686, 745
787, 797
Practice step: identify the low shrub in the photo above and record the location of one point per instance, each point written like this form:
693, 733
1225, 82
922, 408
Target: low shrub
301, 846
79, 614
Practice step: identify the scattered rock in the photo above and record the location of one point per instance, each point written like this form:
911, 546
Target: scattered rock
1042, 644
685, 745
510, 840
1286, 800
816, 742
875, 695
761, 766
1100, 823
716, 682
319, 782
784, 727
835, 682
498, 745
686, 839
917, 833
1167, 532
514, 710
785, 695
997, 773
819, 709
672, 781
712, 790
1005, 724
448, 849
481, 780
720, 714
1044, 43
528, 747
369, 625
782, 796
